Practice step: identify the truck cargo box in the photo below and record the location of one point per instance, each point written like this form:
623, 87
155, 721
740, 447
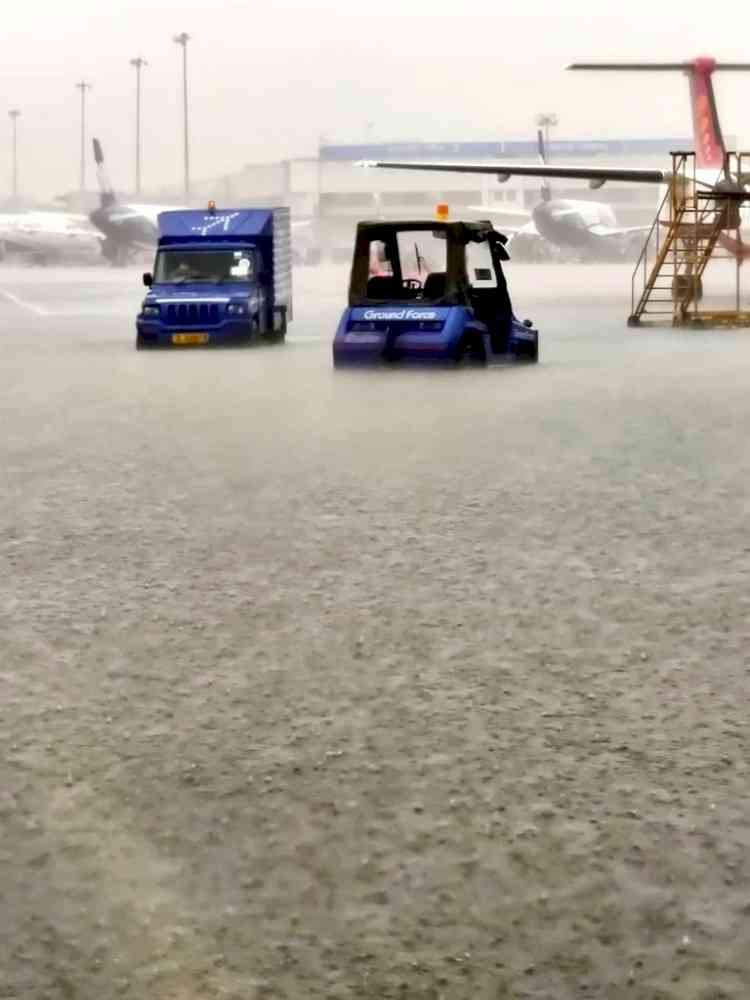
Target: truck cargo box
268, 229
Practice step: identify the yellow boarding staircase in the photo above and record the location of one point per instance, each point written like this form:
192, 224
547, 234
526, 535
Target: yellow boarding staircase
695, 224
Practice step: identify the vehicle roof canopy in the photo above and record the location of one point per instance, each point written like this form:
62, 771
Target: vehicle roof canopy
458, 232
457, 235
218, 226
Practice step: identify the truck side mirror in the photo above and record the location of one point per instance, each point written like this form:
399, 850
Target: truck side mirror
148, 279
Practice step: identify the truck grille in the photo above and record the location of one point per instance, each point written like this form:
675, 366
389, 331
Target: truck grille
193, 314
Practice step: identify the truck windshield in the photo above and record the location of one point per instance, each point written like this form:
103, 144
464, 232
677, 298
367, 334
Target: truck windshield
179, 266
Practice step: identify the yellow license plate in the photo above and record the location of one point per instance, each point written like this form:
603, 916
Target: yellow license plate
189, 338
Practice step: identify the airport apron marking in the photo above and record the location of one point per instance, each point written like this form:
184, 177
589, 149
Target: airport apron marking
22, 304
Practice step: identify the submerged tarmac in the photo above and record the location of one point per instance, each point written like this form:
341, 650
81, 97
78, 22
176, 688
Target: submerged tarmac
372, 684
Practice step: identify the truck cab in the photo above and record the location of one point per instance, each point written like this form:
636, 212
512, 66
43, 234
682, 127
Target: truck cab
219, 277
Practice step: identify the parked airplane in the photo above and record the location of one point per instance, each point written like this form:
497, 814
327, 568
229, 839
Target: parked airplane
588, 228
129, 228
47, 237
126, 228
709, 143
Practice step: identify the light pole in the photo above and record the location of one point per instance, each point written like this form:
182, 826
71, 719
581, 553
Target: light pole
83, 87
138, 65
14, 115
182, 40
547, 122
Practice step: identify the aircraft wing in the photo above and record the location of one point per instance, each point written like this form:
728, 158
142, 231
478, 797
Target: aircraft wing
498, 210
596, 176
149, 212
605, 231
512, 230
524, 223
45, 233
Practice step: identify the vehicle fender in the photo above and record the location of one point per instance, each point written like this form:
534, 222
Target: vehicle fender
476, 336
475, 327
256, 303
343, 324
463, 330
460, 319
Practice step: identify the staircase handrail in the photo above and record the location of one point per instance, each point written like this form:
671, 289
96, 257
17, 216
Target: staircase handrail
643, 256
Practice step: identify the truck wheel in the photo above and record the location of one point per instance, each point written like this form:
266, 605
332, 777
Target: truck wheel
528, 352
277, 333
460, 352
474, 350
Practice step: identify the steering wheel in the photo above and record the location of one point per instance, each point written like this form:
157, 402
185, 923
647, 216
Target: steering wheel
412, 284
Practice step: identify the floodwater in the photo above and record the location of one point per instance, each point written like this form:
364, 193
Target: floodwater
319, 684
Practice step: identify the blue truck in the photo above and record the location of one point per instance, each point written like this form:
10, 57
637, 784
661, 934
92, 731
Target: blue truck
220, 277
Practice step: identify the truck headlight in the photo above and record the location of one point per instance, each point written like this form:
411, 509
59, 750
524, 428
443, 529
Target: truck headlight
150, 310
236, 309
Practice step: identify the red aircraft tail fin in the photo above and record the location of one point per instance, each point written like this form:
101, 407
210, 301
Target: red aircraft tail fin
707, 135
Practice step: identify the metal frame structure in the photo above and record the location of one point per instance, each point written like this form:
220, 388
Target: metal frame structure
138, 64
694, 225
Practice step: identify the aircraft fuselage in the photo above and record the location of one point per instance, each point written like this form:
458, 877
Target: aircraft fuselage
579, 225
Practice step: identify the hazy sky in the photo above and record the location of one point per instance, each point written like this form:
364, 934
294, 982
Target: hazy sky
267, 79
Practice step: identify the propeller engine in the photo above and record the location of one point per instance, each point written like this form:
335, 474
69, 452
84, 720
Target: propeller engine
545, 191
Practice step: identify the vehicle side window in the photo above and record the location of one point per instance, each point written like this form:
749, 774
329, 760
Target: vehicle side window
380, 266
479, 266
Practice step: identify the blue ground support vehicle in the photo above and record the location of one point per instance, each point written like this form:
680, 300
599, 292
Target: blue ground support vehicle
431, 292
220, 277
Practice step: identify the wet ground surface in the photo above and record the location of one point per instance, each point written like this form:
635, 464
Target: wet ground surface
319, 684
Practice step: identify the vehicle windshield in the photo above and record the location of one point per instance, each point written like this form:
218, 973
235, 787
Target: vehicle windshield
180, 266
421, 253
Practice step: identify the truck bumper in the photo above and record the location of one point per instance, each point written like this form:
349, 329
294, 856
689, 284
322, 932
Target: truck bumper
155, 334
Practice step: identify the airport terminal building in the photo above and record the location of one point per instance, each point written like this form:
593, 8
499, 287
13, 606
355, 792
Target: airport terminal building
335, 192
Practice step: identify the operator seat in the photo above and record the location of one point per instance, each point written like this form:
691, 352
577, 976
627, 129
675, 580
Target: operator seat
382, 286
435, 285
